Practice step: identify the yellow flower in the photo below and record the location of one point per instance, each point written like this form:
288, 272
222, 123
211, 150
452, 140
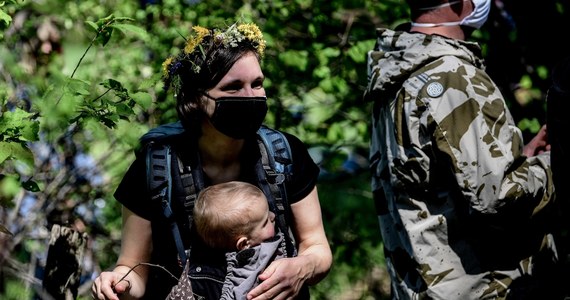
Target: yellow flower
252, 33
166, 66
194, 41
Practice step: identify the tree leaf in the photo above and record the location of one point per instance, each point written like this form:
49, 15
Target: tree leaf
78, 87
129, 28
5, 151
143, 99
124, 110
23, 154
296, 59
92, 24
5, 17
359, 51
10, 186
31, 186
104, 36
320, 106
113, 84
13, 119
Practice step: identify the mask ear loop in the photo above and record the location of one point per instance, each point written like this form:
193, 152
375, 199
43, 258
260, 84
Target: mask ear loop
208, 96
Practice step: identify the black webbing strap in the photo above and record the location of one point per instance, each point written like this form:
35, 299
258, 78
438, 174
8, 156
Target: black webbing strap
272, 181
159, 177
192, 182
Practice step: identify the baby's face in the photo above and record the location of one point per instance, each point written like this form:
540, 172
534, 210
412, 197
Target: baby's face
265, 223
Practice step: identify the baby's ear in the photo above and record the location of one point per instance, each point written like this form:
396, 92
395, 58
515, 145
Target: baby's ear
242, 243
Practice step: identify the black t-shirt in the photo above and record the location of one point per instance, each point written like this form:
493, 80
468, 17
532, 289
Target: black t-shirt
206, 263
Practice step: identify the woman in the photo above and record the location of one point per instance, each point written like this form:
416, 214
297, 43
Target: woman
218, 83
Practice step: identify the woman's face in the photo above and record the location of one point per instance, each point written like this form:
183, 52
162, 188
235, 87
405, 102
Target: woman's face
244, 79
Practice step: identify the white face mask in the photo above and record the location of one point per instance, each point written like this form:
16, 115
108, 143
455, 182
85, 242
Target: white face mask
475, 19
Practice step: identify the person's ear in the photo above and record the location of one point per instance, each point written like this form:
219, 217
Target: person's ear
242, 243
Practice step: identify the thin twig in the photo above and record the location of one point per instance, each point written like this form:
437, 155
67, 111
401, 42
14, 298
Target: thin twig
150, 265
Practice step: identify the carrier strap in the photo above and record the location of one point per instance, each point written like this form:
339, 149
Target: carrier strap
159, 178
272, 174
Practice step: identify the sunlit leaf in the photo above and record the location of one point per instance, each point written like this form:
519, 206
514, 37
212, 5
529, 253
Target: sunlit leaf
526, 82
322, 72
92, 24
359, 51
124, 110
296, 59
78, 87
542, 72
30, 132
320, 106
143, 99
105, 21
5, 17
5, 151
129, 28
10, 186
22, 154
9, 118
532, 125
122, 19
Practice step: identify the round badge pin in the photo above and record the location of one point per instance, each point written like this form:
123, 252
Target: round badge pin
434, 89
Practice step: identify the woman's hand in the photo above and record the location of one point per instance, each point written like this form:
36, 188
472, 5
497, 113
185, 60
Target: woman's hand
110, 285
282, 279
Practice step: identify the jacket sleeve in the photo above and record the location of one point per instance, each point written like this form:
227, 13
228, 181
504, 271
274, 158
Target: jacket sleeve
473, 131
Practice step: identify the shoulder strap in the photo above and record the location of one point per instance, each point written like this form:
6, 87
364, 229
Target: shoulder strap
159, 177
276, 168
162, 132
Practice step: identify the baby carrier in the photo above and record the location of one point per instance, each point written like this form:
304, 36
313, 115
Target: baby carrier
164, 180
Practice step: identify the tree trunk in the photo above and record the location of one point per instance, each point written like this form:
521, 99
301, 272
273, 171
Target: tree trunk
63, 265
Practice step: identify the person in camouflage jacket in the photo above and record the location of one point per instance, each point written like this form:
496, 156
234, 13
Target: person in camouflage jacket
465, 210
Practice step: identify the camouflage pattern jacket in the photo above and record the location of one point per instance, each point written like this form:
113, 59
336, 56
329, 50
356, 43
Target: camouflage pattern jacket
463, 214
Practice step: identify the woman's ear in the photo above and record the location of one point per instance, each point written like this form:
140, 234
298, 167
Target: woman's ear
242, 243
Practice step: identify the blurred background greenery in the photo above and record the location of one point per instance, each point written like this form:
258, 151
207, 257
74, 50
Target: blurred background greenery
80, 82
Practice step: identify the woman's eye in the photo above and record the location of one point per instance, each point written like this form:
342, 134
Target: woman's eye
257, 84
231, 88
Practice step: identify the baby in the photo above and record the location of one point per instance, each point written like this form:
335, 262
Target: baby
235, 217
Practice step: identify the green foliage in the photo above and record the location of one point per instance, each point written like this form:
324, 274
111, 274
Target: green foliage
16, 291
354, 236
5, 18
16, 129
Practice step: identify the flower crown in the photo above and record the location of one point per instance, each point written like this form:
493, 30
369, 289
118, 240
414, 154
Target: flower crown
196, 50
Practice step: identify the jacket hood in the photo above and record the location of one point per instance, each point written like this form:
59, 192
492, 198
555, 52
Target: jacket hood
399, 54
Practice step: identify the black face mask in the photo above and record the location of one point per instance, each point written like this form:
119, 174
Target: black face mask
239, 117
